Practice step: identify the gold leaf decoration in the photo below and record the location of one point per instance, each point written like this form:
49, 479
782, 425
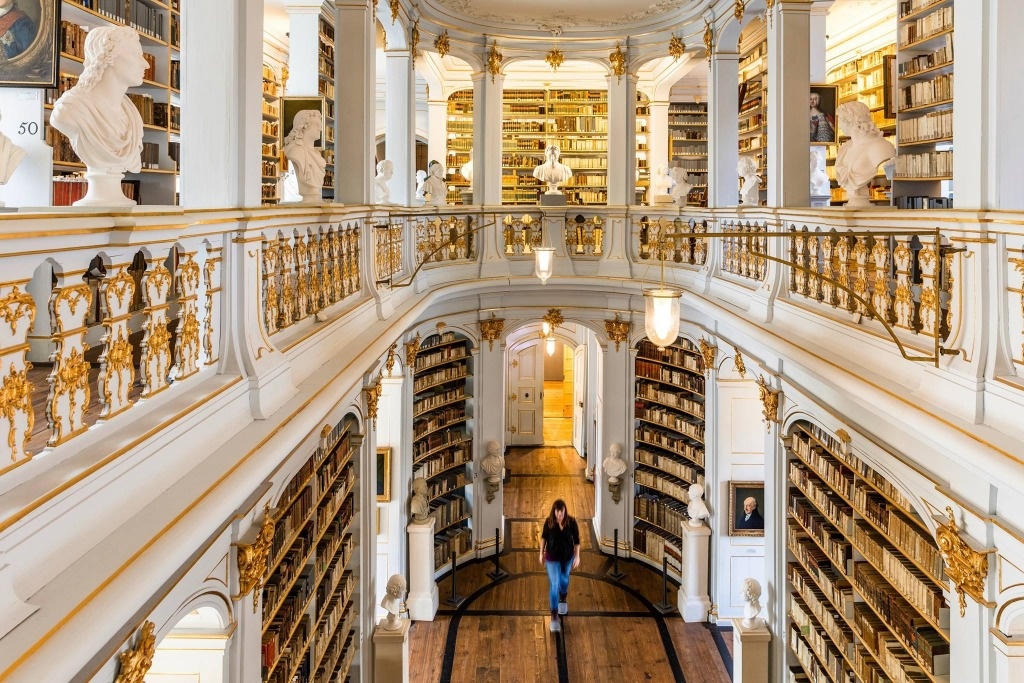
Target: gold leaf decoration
411, 349
618, 61
737, 360
373, 393
676, 48
770, 399
737, 10
389, 364
965, 566
707, 352
15, 399
135, 663
491, 329
769, 7
17, 306
709, 40
617, 330
414, 39
252, 560
494, 59
394, 4
554, 58
443, 44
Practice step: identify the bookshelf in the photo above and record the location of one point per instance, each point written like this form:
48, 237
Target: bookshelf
271, 136
753, 110
575, 120
308, 598
460, 142
158, 99
643, 169
325, 88
442, 443
668, 448
864, 79
688, 146
865, 578
924, 105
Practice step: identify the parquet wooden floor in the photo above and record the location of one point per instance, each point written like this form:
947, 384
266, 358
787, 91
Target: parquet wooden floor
612, 633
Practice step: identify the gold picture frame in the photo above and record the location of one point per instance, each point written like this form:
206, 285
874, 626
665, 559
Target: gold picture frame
739, 492
384, 474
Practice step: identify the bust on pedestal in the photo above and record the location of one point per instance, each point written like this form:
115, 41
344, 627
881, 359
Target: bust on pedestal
102, 124
391, 641
423, 596
821, 186
750, 639
10, 156
553, 173
660, 182
382, 193
750, 182
859, 157
306, 161
680, 185
435, 191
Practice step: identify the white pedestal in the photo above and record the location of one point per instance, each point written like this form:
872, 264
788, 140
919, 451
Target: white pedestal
750, 652
423, 598
391, 653
104, 189
694, 602
819, 201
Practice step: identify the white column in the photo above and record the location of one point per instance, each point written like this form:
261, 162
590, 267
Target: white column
616, 427
750, 652
657, 135
222, 49
489, 425
789, 175
400, 134
817, 39
355, 80
969, 657
487, 91
437, 131
1009, 659
693, 600
622, 139
304, 50
423, 597
723, 130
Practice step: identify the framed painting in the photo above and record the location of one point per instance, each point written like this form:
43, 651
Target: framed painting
823, 114
30, 43
384, 475
746, 502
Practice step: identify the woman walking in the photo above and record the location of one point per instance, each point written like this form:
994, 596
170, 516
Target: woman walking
560, 553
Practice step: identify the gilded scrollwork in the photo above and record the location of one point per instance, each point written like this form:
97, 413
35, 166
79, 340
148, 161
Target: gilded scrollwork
117, 373
16, 307
69, 393
707, 354
373, 394
617, 330
134, 663
966, 566
491, 329
389, 363
412, 348
15, 407
252, 560
770, 398
156, 344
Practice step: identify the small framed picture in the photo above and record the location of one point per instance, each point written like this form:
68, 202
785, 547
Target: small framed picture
30, 44
384, 475
889, 85
823, 114
746, 505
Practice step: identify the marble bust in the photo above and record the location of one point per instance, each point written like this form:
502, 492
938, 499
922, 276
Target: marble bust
467, 169
102, 124
552, 172
418, 505
859, 157
382, 193
614, 467
421, 177
492, 465
660, 183
392, 602
697, 509
680, 185
751, 593
305, 159
820, 184
746, 168
10, 156
435, 191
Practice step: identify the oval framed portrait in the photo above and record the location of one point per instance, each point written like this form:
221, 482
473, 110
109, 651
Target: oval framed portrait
29, 43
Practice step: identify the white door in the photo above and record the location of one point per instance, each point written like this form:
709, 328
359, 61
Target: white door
526, 394
579, 386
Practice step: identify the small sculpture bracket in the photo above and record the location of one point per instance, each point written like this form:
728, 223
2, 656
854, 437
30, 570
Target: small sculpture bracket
966, 561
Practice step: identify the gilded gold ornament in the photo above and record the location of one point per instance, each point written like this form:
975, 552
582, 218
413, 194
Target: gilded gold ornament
770, 399
411, 349
394, 5
373, 393
737, 361
966, 567
252, 560
443, 44
737, 10
707, 354
491, 329
554, 58
618, 61
16, 399
414, 39
676, 48
709, 40
135, 663
617, 330
389, 364
494, 59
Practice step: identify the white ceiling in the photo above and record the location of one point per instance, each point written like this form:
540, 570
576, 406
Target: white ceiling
562, 13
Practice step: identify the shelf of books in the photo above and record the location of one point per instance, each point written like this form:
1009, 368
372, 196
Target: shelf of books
865, 79
643, 170
576, 121
865, 578
924, 105
669, 448
271, 130
688, 146
753, 98
157, 99
460, 142
325, 81
442, 440
308, 598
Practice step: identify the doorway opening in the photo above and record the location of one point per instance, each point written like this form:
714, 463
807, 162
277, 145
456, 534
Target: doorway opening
558, 395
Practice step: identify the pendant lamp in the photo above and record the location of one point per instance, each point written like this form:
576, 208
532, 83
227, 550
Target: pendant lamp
661, 311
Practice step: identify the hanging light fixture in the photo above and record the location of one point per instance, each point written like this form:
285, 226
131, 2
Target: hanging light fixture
549, 345
544, 260
661, 310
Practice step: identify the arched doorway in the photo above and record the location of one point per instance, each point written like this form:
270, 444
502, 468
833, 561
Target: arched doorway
547, 382
194, 649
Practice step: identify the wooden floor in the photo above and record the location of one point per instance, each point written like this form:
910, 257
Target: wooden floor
612, 633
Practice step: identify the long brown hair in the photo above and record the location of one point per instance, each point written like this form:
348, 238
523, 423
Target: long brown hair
551, 521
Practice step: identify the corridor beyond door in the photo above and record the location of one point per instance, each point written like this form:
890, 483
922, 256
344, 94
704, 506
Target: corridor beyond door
559, 393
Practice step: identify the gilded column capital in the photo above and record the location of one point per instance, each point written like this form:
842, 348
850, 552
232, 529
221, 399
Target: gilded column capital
707, 352
618, 330
966, 564
412, 348
252, 560
771, 400
491, 329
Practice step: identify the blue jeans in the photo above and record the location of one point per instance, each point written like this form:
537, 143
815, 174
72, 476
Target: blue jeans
558, 580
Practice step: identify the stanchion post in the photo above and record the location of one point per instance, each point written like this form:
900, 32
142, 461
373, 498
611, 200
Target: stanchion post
498, 572
614, 572
455, 599
664, 606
